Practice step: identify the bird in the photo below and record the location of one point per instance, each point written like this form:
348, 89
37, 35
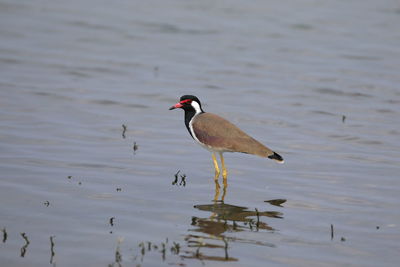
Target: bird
218, 135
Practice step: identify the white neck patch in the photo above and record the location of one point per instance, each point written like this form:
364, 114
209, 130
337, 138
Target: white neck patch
196, 107
198, 110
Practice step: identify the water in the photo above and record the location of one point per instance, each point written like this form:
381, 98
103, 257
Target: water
72, 73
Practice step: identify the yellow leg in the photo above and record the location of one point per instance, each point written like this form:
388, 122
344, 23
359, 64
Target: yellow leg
217, 191
224, 172
224, 191
216, 196
216, 167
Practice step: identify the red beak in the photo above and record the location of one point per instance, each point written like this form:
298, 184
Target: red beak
177, 105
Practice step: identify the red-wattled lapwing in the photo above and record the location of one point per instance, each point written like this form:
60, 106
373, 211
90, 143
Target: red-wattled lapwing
219, 135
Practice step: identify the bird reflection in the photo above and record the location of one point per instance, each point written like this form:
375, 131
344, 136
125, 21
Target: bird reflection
209, 233
226, 217
217, 191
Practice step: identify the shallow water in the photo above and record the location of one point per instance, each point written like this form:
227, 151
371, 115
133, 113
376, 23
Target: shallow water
317, 81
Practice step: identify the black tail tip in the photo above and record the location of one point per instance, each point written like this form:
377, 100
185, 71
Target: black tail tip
276, 157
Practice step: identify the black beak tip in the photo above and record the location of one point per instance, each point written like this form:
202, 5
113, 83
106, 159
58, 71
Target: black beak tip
171, 108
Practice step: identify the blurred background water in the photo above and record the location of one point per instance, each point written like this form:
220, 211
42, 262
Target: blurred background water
317, 81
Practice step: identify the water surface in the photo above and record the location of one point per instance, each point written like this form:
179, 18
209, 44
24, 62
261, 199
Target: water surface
317, 81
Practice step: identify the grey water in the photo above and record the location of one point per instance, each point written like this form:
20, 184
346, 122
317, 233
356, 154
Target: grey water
317, 81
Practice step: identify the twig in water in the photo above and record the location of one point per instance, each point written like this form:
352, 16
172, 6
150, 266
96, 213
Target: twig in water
52, 249
183, 180
4, 235
258, 218
24, 247
226, 248
175, 248
176, 178
163, 251
234, 225
142, 248
123, 130
118, 255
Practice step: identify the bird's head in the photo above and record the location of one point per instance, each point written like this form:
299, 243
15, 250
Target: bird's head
188, 103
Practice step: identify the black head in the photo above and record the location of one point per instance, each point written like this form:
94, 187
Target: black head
188, 103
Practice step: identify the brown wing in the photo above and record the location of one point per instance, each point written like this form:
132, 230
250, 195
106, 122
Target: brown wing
215, 131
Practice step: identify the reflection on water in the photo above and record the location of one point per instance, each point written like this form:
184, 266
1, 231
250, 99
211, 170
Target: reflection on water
223, 219
276, 202
210, 238
24, 248
74, 72
222, 214
217, 190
